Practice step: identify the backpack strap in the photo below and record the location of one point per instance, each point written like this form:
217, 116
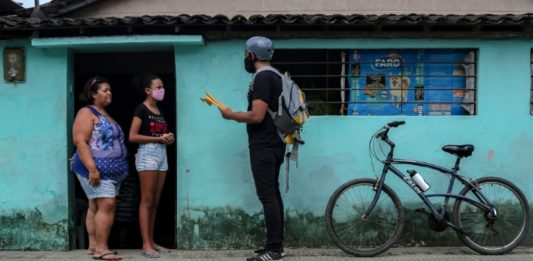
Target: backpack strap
268, 68
280, 98
280, 108
262, 69
292, 156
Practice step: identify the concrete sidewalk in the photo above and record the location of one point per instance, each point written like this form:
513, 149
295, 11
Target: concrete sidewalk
400, 254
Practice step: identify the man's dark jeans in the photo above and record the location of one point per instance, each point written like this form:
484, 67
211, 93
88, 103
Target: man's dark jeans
266, 163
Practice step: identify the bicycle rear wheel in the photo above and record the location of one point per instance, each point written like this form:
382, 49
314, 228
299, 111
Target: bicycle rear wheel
358, 236
488, 234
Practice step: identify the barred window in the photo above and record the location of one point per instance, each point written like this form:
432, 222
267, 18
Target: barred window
384, 82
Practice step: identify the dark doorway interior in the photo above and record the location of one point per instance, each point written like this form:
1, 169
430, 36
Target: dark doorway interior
120, 69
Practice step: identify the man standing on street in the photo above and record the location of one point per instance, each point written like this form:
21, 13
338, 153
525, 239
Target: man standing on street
265, 145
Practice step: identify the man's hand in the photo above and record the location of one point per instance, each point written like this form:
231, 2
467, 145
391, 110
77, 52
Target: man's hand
256, 115
226, 113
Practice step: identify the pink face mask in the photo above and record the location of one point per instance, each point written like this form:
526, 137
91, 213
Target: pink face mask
158, 95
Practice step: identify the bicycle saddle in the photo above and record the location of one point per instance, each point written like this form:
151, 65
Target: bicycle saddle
459, 150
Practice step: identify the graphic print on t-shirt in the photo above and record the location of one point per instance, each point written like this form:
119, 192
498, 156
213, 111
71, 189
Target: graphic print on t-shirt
157, 124
152, 124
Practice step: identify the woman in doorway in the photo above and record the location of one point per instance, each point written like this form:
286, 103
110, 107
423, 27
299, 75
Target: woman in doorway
100, 163
150, 130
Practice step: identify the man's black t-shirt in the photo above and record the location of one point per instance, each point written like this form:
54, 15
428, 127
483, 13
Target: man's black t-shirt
152, 124
267, 87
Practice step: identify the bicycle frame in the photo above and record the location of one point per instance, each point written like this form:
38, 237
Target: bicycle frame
440, 216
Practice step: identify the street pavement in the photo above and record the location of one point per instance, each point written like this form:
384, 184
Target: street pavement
400, 254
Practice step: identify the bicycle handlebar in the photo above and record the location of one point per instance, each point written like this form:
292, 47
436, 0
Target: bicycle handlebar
385, 130
383, 134
395, 124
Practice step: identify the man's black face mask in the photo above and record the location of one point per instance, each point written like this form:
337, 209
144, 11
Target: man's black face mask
249, 64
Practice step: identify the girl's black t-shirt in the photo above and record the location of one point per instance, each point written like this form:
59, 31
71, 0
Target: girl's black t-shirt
152, 124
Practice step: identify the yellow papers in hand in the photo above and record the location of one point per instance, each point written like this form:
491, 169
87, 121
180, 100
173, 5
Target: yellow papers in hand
209, 99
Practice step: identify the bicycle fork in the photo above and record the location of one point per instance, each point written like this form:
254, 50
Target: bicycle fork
378, 186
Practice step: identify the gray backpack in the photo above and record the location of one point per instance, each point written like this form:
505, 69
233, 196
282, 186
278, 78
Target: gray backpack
291, 115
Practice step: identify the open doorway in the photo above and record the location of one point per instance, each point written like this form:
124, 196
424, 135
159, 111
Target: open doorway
120, 69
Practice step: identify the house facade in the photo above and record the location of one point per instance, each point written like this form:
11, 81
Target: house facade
461, 69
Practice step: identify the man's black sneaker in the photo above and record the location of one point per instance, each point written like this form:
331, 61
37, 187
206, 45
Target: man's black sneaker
265, 256
262, 251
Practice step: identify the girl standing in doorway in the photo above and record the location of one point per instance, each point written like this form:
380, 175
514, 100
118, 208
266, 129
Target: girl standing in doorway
150, 130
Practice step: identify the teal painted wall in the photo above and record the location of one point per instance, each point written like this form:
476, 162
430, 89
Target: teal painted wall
217, 204
33, 152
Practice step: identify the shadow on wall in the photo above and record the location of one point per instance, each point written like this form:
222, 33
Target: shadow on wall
233, 228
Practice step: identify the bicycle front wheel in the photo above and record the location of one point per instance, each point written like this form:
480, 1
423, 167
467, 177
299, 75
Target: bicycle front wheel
354, 234
487, 233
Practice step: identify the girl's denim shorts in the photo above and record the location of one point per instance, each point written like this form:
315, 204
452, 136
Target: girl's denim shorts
151, 156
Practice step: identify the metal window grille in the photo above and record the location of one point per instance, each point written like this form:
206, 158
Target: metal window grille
337, 85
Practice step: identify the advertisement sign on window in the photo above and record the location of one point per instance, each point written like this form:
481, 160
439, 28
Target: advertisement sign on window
407, 82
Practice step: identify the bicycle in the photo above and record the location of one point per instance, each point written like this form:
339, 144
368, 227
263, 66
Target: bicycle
364, 217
